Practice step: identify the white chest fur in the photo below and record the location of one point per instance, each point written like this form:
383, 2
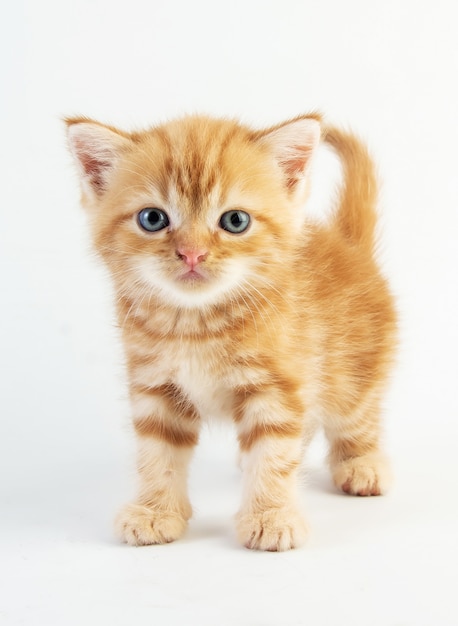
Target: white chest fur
195, 373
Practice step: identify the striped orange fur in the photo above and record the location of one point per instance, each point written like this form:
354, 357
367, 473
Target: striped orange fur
233, 306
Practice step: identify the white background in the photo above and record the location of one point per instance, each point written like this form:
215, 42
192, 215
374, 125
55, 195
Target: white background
390, 70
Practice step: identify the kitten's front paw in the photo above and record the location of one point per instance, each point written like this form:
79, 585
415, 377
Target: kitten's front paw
274, 530
367, 475
139, 525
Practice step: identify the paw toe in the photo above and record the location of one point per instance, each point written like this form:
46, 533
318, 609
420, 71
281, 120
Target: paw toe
362, 476
272, 531
141, 526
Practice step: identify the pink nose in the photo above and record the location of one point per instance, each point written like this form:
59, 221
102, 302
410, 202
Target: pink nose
191, 256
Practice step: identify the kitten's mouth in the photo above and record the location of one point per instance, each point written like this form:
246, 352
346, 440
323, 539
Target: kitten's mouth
192, 276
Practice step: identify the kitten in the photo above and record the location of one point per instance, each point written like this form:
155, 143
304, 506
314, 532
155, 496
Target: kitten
231, 305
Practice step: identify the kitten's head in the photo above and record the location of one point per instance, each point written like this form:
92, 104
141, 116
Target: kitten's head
198, 209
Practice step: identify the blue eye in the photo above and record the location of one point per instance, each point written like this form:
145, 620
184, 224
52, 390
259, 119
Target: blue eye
235, 221
153, 220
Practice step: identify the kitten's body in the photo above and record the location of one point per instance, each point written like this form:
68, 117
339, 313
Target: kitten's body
278, 327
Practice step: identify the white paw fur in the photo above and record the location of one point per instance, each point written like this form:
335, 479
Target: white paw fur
140, 525
367, 475
274, 530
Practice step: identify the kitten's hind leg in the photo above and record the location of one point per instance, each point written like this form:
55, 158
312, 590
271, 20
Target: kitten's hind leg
358, 466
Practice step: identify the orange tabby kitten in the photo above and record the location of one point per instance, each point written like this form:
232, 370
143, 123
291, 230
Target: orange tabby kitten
231, 304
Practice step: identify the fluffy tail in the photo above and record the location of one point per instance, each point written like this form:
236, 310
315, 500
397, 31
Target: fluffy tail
356, 215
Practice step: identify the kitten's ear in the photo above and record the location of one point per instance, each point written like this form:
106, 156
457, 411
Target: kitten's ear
96, 149
293, 145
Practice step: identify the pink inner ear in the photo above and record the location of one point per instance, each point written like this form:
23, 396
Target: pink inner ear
293, 144
294, 167
96, 149
94, 169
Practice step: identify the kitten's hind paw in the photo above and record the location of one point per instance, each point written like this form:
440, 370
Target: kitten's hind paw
140, 525
274, 530
367, 475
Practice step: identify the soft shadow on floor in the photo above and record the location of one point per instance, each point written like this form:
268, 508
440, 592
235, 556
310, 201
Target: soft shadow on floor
318, 479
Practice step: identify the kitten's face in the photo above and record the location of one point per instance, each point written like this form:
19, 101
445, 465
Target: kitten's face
198, 210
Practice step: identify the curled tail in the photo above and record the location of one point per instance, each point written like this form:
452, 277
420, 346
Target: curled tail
356, 214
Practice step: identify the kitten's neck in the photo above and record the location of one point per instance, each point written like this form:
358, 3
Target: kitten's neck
238, 313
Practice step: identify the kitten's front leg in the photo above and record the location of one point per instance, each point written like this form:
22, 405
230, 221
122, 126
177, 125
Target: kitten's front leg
167, 432
271, 440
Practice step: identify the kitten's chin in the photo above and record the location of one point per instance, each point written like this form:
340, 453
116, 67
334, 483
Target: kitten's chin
191, 290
